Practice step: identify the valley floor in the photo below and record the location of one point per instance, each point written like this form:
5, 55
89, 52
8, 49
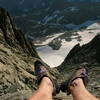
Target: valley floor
56, 57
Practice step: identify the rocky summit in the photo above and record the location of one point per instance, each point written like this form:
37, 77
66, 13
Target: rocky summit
17, 57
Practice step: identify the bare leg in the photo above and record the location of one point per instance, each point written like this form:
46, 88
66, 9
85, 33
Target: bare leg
79, 92
44, 91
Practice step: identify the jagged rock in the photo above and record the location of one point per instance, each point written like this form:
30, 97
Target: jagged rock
13, 36
15, 62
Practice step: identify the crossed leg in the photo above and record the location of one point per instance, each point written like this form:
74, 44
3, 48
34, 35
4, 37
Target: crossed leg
78, 91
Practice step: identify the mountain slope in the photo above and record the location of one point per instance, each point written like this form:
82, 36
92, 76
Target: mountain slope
13, 36
58, 46
87, 53
16, 60
17, 57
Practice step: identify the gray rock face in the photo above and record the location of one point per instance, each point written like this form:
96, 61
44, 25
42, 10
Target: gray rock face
17, 57
13, 36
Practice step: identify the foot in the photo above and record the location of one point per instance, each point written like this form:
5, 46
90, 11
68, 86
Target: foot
80, 73
41, 72
46, 85
77, 83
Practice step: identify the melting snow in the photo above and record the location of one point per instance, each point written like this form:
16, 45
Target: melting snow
56, 57
94, 26
50, 39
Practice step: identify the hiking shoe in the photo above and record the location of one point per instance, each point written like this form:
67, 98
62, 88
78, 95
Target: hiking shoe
41, 72
79, 73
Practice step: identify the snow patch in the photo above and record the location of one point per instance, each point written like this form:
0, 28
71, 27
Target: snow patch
55, 57
94, 26
50, 39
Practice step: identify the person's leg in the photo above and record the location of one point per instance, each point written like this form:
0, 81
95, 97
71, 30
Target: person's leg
79, 92
76, 85
44, 91
47, 84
